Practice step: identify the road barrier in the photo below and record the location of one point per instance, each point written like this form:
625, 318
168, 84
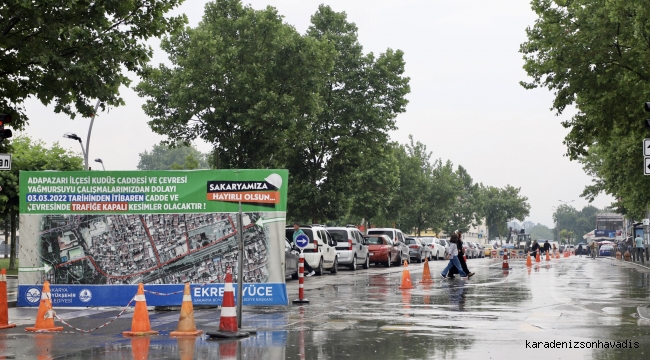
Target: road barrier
301, 281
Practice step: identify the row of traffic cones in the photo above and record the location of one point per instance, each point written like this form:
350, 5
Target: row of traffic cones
406, 276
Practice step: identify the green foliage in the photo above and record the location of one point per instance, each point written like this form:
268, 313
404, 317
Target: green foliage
467, 208
567, 236
162, 157
70, 52
501, 205
594, 54
580, 222
241, 80
539, 231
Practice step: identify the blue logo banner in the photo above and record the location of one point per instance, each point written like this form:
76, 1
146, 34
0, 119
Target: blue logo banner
120, 295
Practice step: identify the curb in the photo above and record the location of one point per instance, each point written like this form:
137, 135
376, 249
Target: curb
629, 262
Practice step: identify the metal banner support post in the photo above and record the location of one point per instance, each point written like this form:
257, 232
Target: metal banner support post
240, 272
301, 281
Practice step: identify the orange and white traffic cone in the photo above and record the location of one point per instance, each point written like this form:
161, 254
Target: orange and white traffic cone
4, 309
529, 261
426, 273
228, 319
186, 324
548, 256
537, 258
45, 314
505, 265
140, 324
557, 254
406, 278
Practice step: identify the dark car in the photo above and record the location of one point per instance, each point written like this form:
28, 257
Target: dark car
417, 250
290, 260
582, 248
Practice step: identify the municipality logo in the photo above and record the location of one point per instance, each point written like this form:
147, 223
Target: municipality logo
85, 295
33, 295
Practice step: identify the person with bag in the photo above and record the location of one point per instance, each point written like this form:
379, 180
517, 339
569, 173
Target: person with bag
453, 250
461, 258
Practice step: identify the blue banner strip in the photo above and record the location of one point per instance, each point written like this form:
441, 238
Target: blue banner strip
120, 295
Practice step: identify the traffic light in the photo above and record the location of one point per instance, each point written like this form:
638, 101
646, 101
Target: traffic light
5, 133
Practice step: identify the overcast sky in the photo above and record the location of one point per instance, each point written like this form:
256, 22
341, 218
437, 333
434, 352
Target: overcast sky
465, 104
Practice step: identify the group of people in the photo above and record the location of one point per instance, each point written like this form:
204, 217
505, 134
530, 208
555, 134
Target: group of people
457, 263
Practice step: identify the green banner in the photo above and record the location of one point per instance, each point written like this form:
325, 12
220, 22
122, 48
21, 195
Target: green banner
146, 192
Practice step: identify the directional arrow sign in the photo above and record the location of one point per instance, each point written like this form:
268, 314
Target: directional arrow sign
262, 222
302, 241
45, 268
646, 147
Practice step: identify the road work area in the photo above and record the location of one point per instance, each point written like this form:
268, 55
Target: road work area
568, 308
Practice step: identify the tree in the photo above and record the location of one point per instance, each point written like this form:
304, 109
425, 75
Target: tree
501, 205
240, 80
163, 157
594, 54
467, 206
74, 51
566, 234
361, 96
29, 155
580, 222
376, 181
541, 232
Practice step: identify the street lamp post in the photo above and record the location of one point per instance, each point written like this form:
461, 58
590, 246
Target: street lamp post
90, 129
101, 162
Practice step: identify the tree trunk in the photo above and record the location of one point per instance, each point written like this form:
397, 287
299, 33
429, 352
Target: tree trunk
12, 255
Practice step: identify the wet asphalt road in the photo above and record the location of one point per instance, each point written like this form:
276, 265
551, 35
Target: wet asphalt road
364, 315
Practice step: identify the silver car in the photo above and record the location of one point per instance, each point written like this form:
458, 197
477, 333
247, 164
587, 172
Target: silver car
350, 247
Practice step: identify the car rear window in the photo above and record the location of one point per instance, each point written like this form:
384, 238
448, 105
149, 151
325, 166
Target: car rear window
339, 235
411, 242
388, 233
371, 240
308, 232
426, 240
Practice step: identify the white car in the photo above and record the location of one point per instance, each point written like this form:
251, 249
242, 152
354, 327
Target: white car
437, 246
350, 246
320, 253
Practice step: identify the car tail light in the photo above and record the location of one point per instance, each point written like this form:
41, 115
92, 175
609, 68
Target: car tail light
315, 246
349, 244
413, 246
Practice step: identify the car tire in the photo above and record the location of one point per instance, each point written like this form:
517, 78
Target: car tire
335, 268
367, 263
319, 269
388, 262
399, 261
353, 266
295, 276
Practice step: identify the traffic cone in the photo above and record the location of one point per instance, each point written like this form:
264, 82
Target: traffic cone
557, 255
45, 314
529, 261
505, 265
186, 347
4, 310
537, 259
140, 324
140, 347
426, 274
548, 256
406, 278
228, 319
186, 324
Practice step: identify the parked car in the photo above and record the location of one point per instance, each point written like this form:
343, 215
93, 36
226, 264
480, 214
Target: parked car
320, 253
290, 260
382, 250
480, 249
606, 250
437, 247
397, 237
487, 250
350, 247
418, 250
446, 244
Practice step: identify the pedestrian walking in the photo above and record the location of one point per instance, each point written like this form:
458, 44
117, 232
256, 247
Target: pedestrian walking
554, 249
639, 248
579, 251
298, 231
547, 247
453, 261
461, 258
535, 249
593, 249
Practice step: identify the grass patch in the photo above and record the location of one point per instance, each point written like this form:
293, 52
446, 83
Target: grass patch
4, 264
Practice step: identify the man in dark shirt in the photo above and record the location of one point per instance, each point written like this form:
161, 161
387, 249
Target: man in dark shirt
547, 247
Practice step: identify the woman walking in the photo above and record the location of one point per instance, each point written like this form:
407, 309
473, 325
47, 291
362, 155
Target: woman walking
461, 258
453, 261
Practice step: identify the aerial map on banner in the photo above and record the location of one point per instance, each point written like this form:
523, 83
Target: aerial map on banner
96, 234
